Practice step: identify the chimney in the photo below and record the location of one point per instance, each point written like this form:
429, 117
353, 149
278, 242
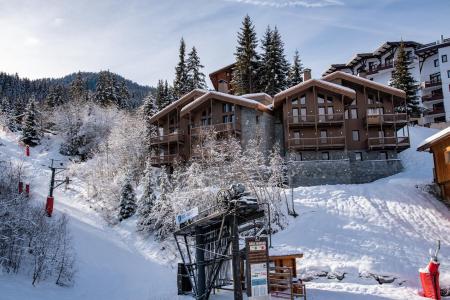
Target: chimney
362, 73
442, 38
306, 74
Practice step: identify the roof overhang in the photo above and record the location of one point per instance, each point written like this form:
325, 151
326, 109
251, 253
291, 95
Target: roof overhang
182, 101
435, 138
365, 82
329, 86
213, 95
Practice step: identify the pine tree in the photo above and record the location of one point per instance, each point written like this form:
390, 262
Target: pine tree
147, 201
403, 80
180, 83
123, 95
78, 89
30, 130
295, 71
127, 206
195, 75
149, 109
274, 66
55, 96
245, 72
103, 92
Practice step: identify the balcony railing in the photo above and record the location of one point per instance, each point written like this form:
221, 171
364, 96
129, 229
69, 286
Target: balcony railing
388, 142
432, 97
379, 67
164, 159
222, 127
435, 111
386, 119
319, 119
335, 142
168, 138
432, 83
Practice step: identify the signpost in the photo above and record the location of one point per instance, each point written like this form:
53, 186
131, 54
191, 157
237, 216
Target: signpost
257, 268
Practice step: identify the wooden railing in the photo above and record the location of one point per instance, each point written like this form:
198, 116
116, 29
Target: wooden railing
317, 142
432, 97
431, 83
222, 127
435, 111
386, 118
164, 159
379, 67
388, 142
168, 138
312, 119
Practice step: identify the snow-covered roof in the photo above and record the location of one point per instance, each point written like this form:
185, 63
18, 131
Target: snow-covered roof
314, 82
239, 100
365, 81
192, 94
260, 97
426, 144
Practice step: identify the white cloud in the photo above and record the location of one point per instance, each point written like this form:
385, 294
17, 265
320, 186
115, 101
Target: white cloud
31, 41
291, 3
58, 22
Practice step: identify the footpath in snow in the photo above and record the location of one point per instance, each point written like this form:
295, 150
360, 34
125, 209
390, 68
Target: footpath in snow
382, 228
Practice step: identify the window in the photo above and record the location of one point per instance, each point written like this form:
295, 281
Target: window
353, 102
322, 114
257, 119
296, 137
346, 114
358, 156
329, 100
355, 135
354, 113
320, 99
444, 58
448, 73
330, 113
384, 155
325, 156
323, 136
303, 114
370, 99
371, 65
227, 107
303, 100
436, 62
436, 77
295, 115
295, 101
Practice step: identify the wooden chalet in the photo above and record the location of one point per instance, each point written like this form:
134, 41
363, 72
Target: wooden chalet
439, 145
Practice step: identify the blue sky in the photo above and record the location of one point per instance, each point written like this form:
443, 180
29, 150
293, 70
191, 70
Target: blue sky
140, 39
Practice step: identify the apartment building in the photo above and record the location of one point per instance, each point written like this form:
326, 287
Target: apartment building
429, 65
338, 129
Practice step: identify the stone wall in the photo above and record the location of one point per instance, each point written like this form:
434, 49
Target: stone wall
345, 171
250, 127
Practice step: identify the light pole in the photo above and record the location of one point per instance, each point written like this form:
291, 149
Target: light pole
270, 226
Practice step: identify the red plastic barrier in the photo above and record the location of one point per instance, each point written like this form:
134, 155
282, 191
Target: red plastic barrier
429, 278
20, 187
27, 189
27, 150
49, 206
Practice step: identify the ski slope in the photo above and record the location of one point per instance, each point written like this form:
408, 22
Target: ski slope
382, 228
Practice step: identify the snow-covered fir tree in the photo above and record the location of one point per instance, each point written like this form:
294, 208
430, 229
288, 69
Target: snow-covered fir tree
123, 95
245, 72
56, 96
127, 206
180, 85
403, 80
106, 89
78, 89
6, 114
295, 71
194, 67
147, 201
30, 125
274, 66
149, 108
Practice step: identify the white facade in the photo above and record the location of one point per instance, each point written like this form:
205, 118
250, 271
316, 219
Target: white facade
429, 65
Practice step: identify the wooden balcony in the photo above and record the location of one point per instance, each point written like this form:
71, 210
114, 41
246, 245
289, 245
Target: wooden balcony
167, 159
176, 137
317, 143
218, 128
432, 83
311, 120
398, 118
436, 111
388, 142
379, 67
434, 97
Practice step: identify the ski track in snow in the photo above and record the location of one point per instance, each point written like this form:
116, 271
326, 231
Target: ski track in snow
385, 227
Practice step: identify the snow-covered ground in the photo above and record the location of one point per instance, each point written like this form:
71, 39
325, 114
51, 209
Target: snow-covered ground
382, 228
